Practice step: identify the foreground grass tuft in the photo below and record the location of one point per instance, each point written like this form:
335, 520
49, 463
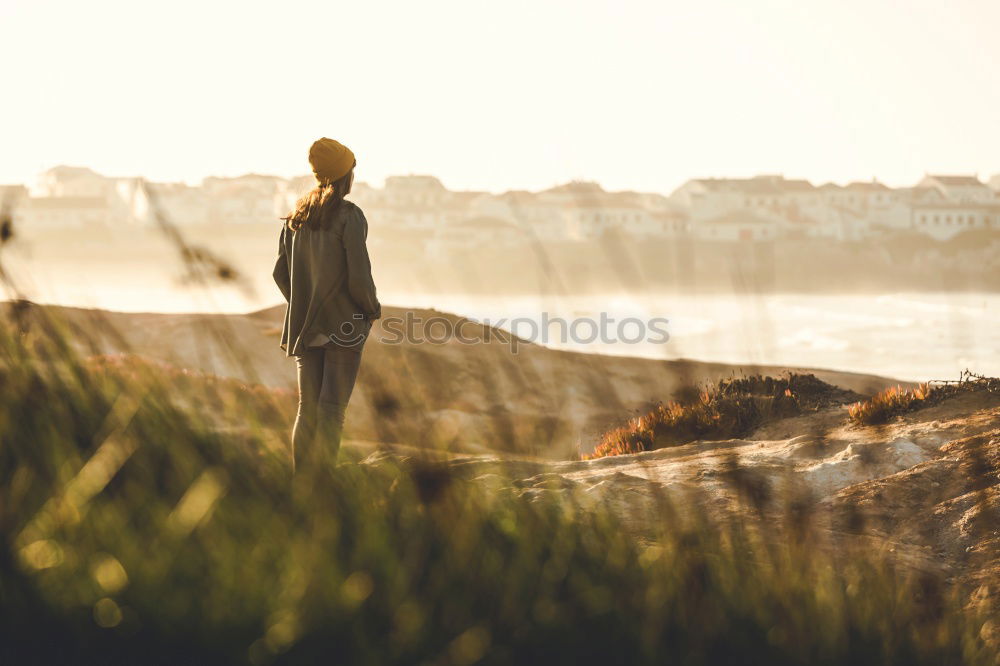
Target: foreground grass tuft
134, 530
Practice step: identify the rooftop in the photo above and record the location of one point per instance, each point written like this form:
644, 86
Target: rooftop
575, 187
413, 181
956, 181
603, 202
867, 186
65, 171
757, 185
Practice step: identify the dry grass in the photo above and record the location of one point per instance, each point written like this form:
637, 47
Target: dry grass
133, 531
892, 402
732, 408
883, 406
224, 401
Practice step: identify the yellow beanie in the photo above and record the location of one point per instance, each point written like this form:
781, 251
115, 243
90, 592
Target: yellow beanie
330, 160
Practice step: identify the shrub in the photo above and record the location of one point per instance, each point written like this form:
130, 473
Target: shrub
894, 401
886, 404
732, 408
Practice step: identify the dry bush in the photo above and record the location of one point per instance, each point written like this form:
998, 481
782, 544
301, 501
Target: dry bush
732, 408
883, 406
894, 401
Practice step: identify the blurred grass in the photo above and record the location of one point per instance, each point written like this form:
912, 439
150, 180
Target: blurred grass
133, 529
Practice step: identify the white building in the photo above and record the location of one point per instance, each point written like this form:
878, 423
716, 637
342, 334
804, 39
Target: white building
872, 205
738, 226
413, 191
477, 232
859, 196
667, 224
180, 203
587, 211
245, 199
65, 212
963, 189
797, 208
945, 220
69, 181
545, 221
411, 202
711, 198
833, 222
591, 217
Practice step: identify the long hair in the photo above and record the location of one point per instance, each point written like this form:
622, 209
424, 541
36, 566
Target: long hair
317, 208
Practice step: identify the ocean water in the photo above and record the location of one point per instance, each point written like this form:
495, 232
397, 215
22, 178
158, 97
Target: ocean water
909, 336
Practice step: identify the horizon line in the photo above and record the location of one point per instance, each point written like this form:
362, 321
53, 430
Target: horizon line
575, 179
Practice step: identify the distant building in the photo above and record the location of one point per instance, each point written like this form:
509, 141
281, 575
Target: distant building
65, 212
919, 194
854, 211
739, 225
591, 217
69, 181
960, 188
408, 202
422, 209
663, 218
943, 220
262, 183
247, 199
835, 222
712, 198
870, 201
587, 211
860, 196
482, 232
413, 191
540, 220
181, 204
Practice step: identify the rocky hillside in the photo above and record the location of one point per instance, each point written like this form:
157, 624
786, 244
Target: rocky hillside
924, 487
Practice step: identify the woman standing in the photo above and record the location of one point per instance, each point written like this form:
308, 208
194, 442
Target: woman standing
324, 273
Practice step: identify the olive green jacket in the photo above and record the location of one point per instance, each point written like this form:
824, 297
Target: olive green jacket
325, 275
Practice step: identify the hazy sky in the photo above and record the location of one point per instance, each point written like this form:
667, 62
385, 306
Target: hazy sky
499, 95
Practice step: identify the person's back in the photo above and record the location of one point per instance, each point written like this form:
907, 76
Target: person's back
329, 288
324, 273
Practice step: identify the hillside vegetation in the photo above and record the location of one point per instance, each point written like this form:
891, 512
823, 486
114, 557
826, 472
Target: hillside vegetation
896, 400
136, 528
731, 408
457, 397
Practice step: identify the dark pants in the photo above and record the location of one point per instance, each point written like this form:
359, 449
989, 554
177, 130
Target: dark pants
326, 379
